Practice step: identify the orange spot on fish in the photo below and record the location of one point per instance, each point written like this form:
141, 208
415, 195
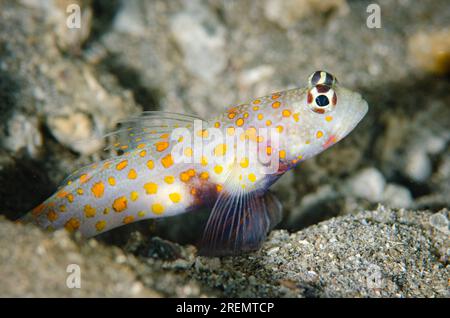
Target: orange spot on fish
121, 165
89, 211
72, 224
98, 189
128, 219
52, 216
84, 178
161, 145
203, 133
70, 197
286, 113
134, 195
184, 177
132, 174
319, 134
112, 181
100, 225
157, 208
150, 188
169, 179
62, 194
167, 161
120, 204
175, 197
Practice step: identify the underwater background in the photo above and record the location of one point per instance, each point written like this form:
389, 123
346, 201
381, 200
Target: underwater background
367, 218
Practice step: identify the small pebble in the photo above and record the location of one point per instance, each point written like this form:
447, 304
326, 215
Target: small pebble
418, 165
368, 184
440, 222
397, 196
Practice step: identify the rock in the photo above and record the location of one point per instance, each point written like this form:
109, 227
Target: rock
418, 165
57, 12
287, 13
131, 19
397, 196
418, 161
75, 131
430, 51
440, 222
202, 40
162, 249
23, 133
436, 144
367, 184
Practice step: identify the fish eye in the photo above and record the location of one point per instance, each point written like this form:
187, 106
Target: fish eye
322, 101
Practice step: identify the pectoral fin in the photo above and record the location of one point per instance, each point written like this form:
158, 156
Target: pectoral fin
239, 222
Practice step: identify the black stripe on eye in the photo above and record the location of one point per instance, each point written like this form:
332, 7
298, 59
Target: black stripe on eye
328, 79
315, 78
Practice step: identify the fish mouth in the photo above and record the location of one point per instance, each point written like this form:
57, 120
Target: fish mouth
356, 113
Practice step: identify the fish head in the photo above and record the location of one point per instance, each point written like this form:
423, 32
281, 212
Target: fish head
327, 113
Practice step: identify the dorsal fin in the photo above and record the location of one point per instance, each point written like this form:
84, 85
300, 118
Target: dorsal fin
148, 127
143, 129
